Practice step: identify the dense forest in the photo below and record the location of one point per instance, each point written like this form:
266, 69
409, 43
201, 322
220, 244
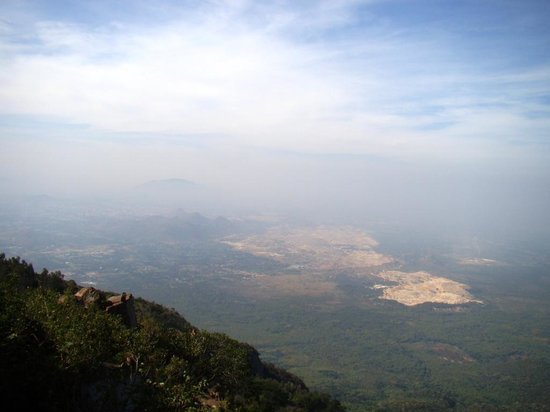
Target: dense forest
60, 353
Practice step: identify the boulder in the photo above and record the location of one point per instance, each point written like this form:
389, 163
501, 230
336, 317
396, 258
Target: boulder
123, 305
87, 296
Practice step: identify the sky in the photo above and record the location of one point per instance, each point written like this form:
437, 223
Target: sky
303, 98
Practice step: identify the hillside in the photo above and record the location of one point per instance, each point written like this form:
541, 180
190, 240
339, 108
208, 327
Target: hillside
67, 348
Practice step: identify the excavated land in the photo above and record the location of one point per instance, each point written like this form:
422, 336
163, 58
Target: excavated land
321, 248
415, 288
318, 254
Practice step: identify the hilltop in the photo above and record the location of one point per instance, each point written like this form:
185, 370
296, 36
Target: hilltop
63, 347
167, 184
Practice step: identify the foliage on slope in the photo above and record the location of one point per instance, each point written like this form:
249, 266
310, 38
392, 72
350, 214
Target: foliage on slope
56, 354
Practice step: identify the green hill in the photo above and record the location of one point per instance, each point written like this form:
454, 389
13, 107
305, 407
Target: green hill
63, 352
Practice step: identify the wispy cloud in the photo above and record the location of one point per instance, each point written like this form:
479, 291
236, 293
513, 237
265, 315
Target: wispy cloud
327, 77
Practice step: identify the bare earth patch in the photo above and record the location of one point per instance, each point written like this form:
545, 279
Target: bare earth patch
321, 248
421, 287
318, 253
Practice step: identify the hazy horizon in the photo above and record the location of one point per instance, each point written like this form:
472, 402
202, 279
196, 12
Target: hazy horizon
422, 111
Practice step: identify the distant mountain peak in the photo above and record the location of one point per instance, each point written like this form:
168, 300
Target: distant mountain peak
172, 183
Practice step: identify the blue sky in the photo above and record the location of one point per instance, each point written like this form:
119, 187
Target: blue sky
191, 82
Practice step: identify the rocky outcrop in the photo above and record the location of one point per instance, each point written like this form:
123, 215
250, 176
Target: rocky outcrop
123, 305
87, 296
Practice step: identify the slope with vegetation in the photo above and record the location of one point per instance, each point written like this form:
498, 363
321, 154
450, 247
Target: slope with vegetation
58, 354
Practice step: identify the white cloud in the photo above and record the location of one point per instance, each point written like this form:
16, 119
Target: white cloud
223, 73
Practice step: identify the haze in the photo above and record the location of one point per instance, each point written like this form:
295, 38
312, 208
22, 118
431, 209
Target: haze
426, 112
